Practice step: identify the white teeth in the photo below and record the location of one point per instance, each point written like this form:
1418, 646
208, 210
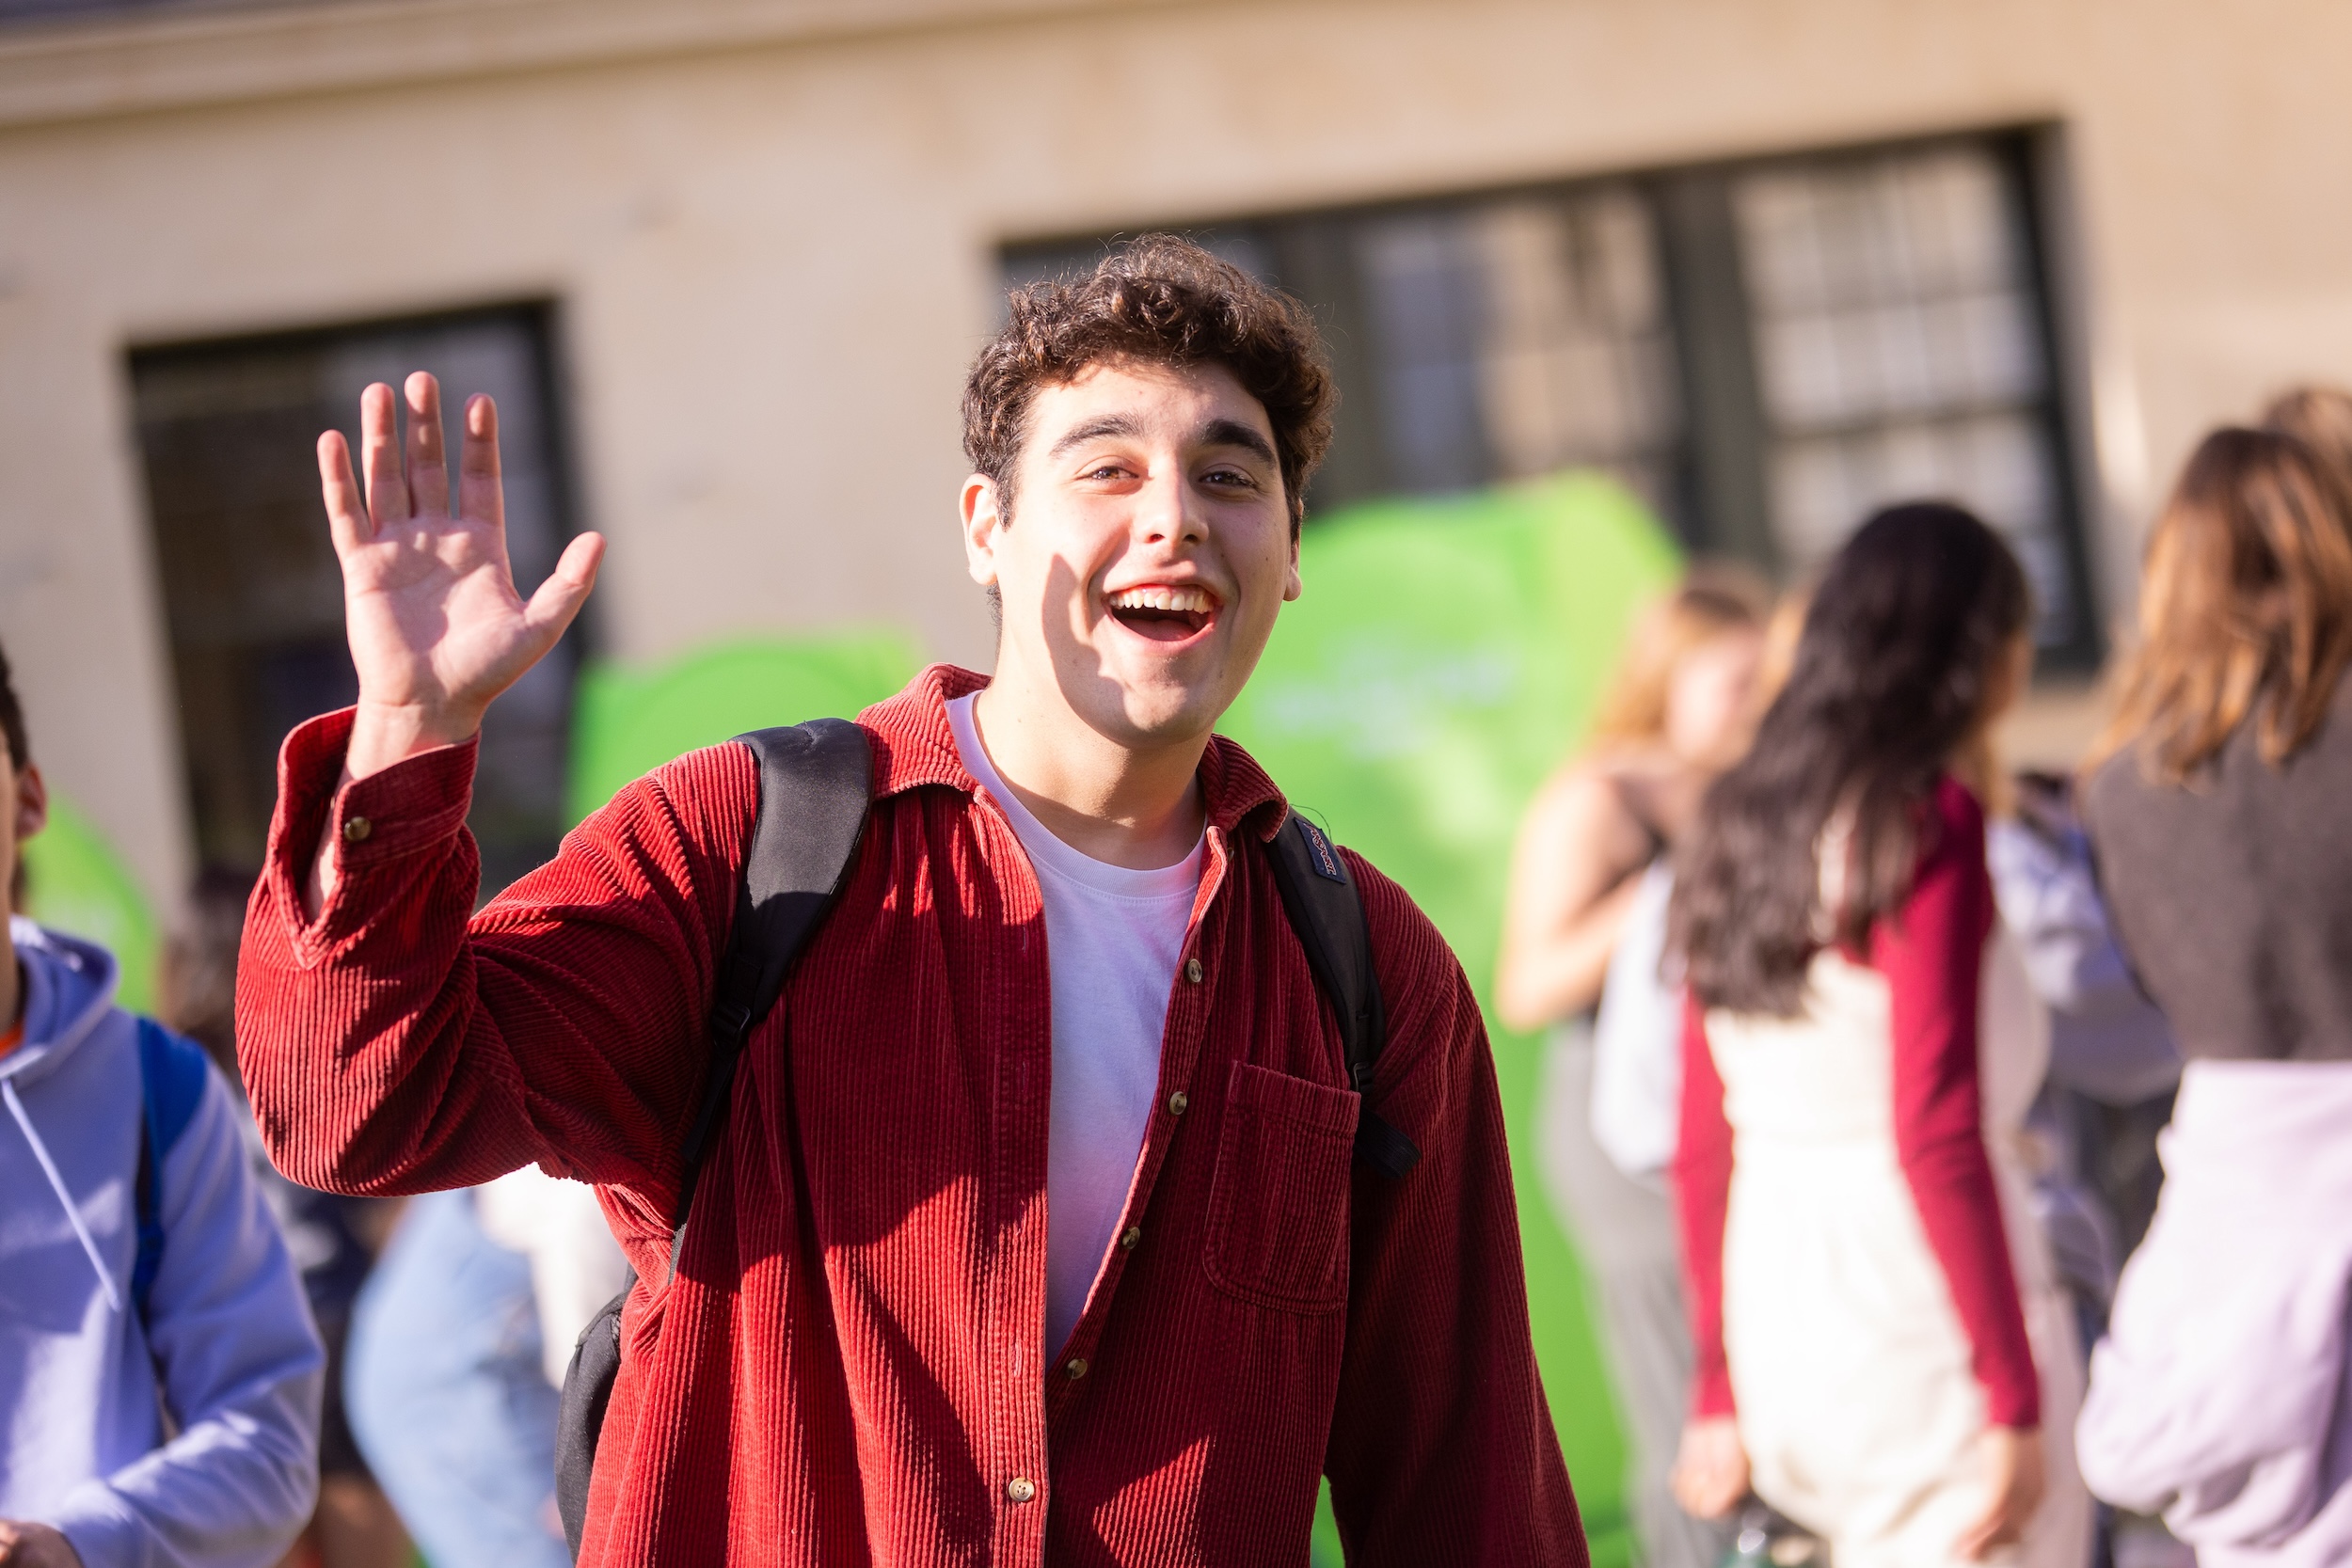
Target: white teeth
1194, 600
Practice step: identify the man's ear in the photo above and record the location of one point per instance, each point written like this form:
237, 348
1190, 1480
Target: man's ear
32, 802
1293, 584
984, 515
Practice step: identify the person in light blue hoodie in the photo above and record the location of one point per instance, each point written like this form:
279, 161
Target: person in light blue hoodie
159, 1372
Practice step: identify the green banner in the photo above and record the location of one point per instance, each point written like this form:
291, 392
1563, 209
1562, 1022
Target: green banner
629, 721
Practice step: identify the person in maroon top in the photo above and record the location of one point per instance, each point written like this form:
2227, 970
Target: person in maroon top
852, 1364
1880, 1331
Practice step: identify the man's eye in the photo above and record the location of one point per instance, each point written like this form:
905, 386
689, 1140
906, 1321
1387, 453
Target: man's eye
1108, 471
1234, 477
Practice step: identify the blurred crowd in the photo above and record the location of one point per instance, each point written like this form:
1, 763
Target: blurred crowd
1862, 1047
1861, 1050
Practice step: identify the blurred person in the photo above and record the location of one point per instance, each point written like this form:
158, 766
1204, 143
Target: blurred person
159, 1375
2222, 1395
1879, 1335
458, 1347
997, 1253
1583, 938
2321, 419
332, 1239
576, 1265
2089, 1139
2113, 1063
449, 1391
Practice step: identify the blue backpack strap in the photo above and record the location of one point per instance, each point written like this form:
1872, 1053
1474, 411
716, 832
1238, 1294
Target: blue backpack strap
171, 1085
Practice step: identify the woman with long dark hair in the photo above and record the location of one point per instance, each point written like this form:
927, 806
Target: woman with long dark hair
2222, 814
1879, 1335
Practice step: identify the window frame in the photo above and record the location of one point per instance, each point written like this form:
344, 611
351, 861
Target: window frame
1718, 461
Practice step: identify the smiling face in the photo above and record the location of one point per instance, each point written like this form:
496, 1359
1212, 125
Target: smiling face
1144, 551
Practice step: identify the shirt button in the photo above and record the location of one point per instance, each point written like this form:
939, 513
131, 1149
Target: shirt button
1020, 1489
1193, 971
1177, 1102
1129, 1237
1075, 1367
356, 828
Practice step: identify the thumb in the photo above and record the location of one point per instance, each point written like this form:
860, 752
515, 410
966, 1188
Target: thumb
559, 598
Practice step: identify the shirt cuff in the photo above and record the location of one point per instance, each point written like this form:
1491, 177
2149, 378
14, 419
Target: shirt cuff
1710, 1392
415, 805
2013, 1400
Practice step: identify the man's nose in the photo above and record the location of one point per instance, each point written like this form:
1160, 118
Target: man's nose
1167, 511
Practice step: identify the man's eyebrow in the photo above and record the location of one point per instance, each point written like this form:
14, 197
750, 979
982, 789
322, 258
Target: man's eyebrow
1216, 432
1233, 433
1094, 430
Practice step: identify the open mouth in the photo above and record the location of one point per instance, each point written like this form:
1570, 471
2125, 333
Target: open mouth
1163, 615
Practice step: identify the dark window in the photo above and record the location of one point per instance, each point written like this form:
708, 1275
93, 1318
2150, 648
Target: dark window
1766, 351
1897, 328
252, 591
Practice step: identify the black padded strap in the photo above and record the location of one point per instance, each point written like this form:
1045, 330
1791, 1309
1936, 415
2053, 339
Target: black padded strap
815, 782
1327, 912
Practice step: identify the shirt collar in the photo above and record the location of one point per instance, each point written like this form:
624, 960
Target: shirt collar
914, 744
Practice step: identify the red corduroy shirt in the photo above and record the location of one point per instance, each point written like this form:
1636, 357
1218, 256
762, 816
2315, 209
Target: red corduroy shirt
849, 1365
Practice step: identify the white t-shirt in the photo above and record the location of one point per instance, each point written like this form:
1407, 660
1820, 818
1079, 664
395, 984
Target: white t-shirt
1112, 937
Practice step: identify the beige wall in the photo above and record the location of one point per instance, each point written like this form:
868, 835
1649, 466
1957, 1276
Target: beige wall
771, 227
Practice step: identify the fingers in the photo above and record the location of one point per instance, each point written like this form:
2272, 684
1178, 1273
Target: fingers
2002, 1523
1987, 1536
480, 496
1710, 1473
559, 598
2014, 1469
346, 513
379, 456
428, 469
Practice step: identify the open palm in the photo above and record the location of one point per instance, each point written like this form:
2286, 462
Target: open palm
435, 625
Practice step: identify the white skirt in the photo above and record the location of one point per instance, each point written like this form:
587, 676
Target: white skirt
1857, 1406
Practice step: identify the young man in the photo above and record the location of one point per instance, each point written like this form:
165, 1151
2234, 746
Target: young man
1032, 1233
106, 1334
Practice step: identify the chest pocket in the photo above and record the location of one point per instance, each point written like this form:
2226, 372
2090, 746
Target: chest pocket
1278, 1207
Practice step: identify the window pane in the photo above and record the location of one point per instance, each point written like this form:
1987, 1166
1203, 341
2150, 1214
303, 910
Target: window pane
1901, 355
1474, 339
1574, 352
1765, 352
1425, 289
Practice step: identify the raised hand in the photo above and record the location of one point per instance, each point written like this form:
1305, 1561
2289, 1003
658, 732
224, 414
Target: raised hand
436, 627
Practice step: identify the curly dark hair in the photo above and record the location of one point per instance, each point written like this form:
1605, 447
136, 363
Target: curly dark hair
12, 718
1161, 299
1891, 674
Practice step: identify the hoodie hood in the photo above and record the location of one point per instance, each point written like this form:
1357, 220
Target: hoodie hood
68, 986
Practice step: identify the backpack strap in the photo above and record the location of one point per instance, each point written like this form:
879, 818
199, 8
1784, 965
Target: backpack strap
1326, 910
816, 781
171, 1085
